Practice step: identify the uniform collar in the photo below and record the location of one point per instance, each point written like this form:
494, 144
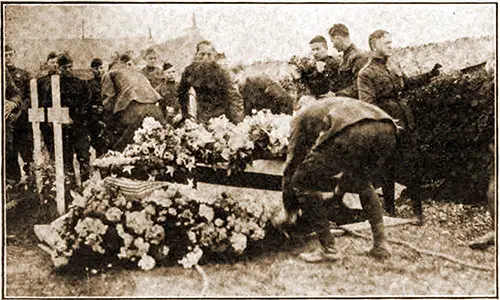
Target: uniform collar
349, 49
379, 60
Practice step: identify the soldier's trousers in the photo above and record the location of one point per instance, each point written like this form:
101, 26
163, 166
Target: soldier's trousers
75, 141
19, 136
131, 118
360, 152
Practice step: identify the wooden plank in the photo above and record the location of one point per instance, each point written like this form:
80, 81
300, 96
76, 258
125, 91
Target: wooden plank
363, 226
58, 143
244, 179
35, 116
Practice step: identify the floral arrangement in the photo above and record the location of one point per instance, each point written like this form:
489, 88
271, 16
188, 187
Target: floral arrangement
159, 151
173, 223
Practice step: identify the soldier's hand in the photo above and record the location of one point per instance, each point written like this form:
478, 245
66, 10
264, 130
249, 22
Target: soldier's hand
10, 106
435, 71
320, 66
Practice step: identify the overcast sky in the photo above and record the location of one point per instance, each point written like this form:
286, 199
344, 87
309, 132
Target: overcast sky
250, 32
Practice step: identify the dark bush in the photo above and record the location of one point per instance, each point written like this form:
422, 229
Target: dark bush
455, 126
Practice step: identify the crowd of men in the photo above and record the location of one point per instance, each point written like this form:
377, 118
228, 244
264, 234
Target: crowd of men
333, 133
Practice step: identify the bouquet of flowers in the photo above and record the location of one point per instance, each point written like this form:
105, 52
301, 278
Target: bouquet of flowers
173, 223
162, 150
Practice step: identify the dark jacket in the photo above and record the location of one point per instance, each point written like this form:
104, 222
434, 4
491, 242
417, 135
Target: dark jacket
153, 74
121, 86
21, 79
353, 60
74, 94
168, 92
320, 83
321, 122
381, 86
216, 94
261, 92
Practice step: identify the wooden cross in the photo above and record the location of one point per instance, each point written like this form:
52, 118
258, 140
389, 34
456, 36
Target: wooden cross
35, 116
58, 115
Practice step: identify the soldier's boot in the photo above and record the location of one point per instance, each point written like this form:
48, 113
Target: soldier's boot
483, 242
325, 252
371, 204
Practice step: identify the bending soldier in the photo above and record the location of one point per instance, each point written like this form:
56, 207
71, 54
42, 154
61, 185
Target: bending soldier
337, 135
128, 99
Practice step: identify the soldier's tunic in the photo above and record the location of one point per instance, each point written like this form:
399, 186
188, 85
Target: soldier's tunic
22, 129
331, 136
96, 125
169, 103
216, 95
320, 83
12, 93
381, 86
261, 92
75, 95
154, 75
353, 60
129, 96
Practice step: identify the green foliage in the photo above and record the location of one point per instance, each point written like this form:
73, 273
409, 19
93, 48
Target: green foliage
455, 126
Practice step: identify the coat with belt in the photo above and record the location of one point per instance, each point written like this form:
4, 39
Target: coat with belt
317, 125
380, 85
122, 85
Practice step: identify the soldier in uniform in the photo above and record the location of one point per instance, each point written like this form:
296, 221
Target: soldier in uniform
352, 61
128, 99
45, 99
22, 130
381, 86
337, 135
261, 92
96, 124
216, 93
320, 73
151, 70
76, 96
168, 91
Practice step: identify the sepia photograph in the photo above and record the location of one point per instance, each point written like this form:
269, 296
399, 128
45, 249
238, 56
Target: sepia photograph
258, 149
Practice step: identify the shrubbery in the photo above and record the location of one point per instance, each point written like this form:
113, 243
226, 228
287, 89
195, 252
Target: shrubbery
455, 120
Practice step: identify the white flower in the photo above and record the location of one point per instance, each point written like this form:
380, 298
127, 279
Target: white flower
192, 258
207, 212
114, 214
238, 242
146, 262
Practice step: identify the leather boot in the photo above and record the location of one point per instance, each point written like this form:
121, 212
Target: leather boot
325, 252
371, 204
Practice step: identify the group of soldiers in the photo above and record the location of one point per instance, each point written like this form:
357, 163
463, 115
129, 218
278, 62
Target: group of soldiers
349, 123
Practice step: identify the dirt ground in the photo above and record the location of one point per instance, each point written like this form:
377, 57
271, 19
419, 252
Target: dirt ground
272, 268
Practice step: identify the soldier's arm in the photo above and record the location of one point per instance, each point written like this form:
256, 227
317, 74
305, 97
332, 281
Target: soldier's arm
416, 81
183, 93
108, 92
26, 102
297, 151
235, 105
367, 91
